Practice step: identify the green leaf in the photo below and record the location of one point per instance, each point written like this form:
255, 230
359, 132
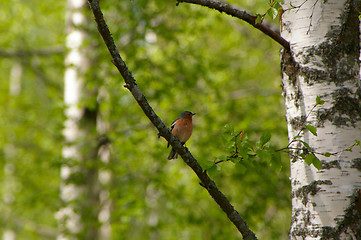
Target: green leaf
214, 170
357, 142
264, 155
235, 159
206, 164
242, 167
277, 5
306, 145
317, 163
312, 159
258, 19
243, 152
309, 159
319, 101
272, 12
312, 129
276, 161
228, 128
266, 136
327, 154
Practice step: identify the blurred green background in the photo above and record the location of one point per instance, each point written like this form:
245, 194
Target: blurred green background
184, 58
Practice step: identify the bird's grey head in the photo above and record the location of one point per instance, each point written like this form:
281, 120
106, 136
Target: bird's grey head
187, 114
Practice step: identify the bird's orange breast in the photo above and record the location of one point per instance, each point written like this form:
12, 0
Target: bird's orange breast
183, 130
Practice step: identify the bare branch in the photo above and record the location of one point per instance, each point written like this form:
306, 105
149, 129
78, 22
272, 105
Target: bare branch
33, 52
206, 182
241, 14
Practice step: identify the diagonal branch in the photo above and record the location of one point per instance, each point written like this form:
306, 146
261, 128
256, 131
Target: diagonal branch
241, 14
206, 182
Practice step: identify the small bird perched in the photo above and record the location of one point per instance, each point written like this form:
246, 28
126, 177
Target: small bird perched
182, 129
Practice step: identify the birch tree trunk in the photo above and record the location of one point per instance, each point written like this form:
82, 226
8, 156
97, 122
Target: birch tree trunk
78, 219
324, 62
10, 155
105, 175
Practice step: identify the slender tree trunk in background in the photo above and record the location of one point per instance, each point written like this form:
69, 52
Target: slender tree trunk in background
10, 156
105, 174
105, 177
324, 62
78, 219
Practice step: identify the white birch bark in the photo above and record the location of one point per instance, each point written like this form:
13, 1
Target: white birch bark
9, 189
79, 188
324, 62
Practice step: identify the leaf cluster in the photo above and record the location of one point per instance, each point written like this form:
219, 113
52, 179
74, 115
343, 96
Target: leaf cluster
307, 153
274, 10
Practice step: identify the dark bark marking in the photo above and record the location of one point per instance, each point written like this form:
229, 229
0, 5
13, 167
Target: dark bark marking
289, 66
339, 52
350, 223
301, 229
331, 164
311, 189
298, 122
356, 163
345, 110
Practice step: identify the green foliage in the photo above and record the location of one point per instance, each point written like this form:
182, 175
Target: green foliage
274, 10
184, 58
307, 153
319, 101
309, 157
327, 154
31, 117
265, 138
241, 150
259, 18
312, 159
312, 129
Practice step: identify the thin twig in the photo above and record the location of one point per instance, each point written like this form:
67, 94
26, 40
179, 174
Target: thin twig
241, 14
207, 183
302, 128
314, 152
311, 16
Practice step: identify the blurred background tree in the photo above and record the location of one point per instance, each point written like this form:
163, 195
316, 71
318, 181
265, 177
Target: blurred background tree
185, 58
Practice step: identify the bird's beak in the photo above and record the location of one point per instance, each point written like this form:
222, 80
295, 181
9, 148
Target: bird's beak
193, 114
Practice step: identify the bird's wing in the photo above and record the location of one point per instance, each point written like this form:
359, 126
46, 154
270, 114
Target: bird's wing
173, 124
171, 127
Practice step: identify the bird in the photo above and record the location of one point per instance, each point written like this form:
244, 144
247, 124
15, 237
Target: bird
181, 128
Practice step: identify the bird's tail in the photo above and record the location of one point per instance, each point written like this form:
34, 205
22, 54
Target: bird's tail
172, 155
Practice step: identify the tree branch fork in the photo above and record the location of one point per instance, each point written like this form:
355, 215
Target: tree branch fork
130, 84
